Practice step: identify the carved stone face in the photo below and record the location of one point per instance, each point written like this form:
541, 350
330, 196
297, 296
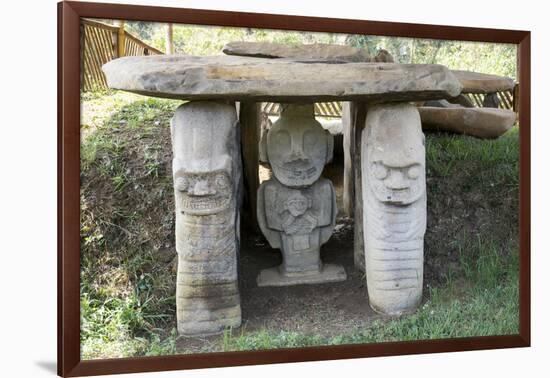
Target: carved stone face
203, 193
395, 155
202, 165
298, 147
297, 204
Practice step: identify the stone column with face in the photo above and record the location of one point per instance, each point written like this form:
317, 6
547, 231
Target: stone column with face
394, 200
296, 208
206, 173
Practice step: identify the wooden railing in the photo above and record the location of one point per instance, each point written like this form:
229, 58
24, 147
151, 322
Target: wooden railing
101, 43
322, 109
507, 100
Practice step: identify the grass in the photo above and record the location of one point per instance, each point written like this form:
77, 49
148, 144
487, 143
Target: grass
127, 252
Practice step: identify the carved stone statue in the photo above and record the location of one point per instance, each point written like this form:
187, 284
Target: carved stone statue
394, 200
298, 147
297, 209
207, 174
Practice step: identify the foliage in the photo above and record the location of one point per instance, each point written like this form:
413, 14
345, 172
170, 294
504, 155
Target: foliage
491, 58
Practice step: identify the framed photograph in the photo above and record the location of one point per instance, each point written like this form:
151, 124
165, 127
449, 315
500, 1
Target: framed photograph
242, 188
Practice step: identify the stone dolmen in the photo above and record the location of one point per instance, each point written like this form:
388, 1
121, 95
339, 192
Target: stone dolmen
296, 208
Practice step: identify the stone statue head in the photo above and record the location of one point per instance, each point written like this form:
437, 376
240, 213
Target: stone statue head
395, 154
202, 164
298, 147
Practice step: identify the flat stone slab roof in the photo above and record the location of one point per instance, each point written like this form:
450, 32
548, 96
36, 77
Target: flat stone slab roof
278, 80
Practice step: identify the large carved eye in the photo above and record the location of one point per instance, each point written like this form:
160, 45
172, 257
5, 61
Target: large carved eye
414, 172
379, 171
222, 182
182, 184
281, 140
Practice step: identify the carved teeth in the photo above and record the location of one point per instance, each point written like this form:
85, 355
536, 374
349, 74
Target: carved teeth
204, 205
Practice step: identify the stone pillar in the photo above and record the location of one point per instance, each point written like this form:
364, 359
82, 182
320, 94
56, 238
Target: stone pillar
349, 139
250, 120
297, 208
358, 113
207, 174
394, 202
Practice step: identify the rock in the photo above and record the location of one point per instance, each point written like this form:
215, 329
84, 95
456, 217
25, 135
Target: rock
383, 56
278, 80
206, 174
297, 209
461, 100
475, 82
478, 122
393, 173
314, 52
491, 100
440, 104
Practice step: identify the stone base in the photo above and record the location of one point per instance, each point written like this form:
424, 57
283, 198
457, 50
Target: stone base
329, 273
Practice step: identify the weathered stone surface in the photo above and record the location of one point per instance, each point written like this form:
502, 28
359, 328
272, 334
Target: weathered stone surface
348, 181
328, 273
478, 122
440, 104
461, 100
314, 52
491, 100
475, 82
250, 117
298, 147
206, 174
298, 221
278, 80
265, 125
297, 209
394, 200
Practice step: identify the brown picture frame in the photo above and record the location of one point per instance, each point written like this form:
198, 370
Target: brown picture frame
69, 67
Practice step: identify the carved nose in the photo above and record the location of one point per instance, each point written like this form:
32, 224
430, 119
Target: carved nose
200, 189
396, 180
296, 155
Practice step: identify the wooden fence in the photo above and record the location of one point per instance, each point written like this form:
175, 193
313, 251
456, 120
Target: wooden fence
101, 43
323, 109
506, 99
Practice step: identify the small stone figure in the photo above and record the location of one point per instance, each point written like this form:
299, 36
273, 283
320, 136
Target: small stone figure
394, 199
297, 209
207, 175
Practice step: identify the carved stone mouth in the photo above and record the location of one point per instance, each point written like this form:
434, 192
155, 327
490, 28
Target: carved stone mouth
397, 195
298, 170
204, 205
